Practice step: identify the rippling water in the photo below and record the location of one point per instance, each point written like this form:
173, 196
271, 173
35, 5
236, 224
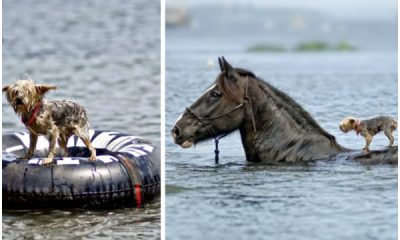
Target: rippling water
104, 55
140, 223
236, 200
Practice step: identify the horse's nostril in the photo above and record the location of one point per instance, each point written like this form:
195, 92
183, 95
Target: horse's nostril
175, 132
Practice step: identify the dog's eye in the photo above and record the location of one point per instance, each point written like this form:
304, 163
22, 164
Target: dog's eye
215, 93
15, 93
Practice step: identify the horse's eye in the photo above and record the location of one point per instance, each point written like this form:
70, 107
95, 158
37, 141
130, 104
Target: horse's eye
215, 93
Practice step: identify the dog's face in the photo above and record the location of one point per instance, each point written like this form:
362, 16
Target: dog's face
347, 124
23, 95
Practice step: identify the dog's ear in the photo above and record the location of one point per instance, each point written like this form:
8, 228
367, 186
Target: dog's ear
44, 88
5, 88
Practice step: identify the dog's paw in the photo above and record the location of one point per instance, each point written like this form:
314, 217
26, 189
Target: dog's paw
47, 161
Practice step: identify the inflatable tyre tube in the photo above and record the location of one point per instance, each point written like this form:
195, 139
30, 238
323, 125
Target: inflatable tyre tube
126, 173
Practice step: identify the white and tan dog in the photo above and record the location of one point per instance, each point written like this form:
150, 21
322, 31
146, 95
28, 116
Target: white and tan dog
56, 119
369, 128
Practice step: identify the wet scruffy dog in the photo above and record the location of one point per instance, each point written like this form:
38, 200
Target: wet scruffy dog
369, 128
55, 119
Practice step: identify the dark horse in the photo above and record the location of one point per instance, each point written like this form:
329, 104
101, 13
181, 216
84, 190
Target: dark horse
273, 127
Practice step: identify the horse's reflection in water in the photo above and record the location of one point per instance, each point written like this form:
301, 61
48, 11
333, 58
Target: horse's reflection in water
273, 127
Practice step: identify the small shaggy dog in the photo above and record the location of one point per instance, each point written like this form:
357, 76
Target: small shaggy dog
369, 128
55, 119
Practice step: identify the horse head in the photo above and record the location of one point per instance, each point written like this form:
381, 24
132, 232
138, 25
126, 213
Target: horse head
218, 111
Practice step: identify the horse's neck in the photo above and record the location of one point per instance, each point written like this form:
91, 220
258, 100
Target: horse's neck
281, 131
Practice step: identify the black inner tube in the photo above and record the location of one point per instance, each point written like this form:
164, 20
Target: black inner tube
115, 179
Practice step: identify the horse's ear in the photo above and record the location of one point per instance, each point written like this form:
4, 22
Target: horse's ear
221, 64
227, 66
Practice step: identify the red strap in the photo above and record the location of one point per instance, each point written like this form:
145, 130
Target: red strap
138, 195
359, 125
33, 115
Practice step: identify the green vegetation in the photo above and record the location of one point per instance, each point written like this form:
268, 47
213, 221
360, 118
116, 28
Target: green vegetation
311, 46
344, 46
266, 48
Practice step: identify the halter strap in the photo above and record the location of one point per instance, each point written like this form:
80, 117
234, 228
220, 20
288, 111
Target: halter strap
214, 117
32, 117
200, 119
247, 98
216, 151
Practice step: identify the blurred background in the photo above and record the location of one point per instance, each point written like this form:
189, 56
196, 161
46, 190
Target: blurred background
281, 26
104, 55
335, 58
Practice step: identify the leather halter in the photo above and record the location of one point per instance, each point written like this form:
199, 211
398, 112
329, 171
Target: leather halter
206, 120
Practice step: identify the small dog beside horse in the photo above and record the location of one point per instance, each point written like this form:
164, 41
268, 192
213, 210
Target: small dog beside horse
369, 128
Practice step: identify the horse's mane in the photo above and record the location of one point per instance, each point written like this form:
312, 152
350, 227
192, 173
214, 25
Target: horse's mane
298, 113
301, 116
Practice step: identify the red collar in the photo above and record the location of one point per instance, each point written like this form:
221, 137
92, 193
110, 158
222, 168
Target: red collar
359, 125
33, 115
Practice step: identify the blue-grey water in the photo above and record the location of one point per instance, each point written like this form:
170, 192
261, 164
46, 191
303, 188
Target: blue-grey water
326, 200
105, 56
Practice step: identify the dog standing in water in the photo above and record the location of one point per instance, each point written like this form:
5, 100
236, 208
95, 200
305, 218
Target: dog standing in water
369, 128
55, 119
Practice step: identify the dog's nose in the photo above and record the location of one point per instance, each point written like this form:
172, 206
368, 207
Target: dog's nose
18, 101
175, 132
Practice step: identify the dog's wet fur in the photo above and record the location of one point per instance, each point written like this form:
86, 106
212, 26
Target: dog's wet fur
56, 119
369, 128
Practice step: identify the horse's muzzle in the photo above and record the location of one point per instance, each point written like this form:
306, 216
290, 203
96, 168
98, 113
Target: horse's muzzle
176, 134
